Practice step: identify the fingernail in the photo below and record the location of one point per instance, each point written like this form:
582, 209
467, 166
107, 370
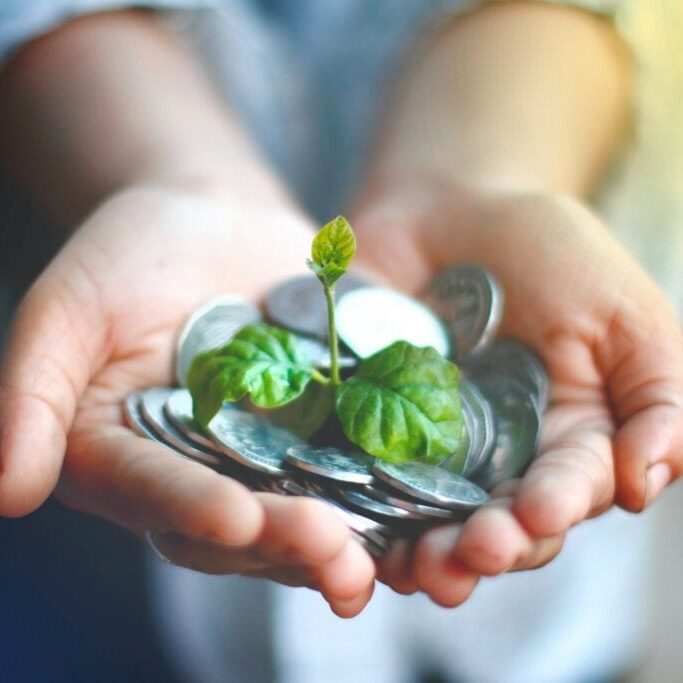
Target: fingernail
658, 478
150, 542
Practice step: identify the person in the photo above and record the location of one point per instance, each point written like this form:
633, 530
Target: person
488, 150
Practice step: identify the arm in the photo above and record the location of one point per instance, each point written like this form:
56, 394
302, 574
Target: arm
112, 101
517, 95
111, 125
500, 128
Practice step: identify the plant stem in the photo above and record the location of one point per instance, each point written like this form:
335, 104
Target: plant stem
320, 378
332, 333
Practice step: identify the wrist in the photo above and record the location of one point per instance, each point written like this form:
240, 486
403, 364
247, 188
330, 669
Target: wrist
413, 229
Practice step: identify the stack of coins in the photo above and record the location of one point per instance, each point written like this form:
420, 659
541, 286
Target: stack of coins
503, 390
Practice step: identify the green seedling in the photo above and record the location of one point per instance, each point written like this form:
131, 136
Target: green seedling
401, 404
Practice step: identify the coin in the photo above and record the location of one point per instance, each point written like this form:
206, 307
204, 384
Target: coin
470, 301
178, 409
251, 440
152, 408
211, 326
479, 426
133, 416
371, 318
518, 423
372, 506
427, 511
299, 303
432, 484
511, 357
332, 463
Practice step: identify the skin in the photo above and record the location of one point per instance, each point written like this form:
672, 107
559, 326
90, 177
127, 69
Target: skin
174, 173
160, 218
470, 189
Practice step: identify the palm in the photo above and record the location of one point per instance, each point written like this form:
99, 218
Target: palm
101, 322
603, 331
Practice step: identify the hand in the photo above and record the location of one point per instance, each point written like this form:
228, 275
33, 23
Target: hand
612, 347
100, 322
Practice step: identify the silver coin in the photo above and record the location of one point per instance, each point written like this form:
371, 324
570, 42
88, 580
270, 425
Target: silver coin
133, 417
432, 484
376, 548
279, 485
332, 463
513, 358
209, 327
372, 506
152, 407
319, 354
299, 304
427, 511
256, 481
251, 440
518, 424
479, 426
470, 301
178, 409
371, 318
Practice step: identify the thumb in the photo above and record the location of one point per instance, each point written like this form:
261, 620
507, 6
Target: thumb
53, 347
643, 361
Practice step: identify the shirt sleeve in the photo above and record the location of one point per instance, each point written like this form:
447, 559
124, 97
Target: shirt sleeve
23, 20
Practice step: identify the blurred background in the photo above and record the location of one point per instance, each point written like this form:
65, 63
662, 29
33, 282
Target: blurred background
664, 661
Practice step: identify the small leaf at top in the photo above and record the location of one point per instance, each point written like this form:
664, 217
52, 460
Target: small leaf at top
261, 361
333, 248
403, 404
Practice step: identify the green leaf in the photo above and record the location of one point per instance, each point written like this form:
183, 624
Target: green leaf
261, 361
403, 404
307, 414
333, 248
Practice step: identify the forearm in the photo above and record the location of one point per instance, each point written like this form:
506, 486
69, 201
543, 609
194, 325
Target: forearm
516, 95
114, 100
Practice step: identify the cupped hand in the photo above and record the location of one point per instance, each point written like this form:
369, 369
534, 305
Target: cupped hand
612, 347
100, 322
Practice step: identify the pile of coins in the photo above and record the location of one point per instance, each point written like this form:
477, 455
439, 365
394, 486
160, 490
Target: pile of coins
503, 391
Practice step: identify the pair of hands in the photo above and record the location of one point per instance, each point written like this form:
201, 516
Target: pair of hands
101, 321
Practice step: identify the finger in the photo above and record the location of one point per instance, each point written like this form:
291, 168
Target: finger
395, 569
437, 572
347, 583
47, 365
574, 477
292, 576
351, 607
644, 366
648, 455
506, 489
212, 558
540, 552
493, 541
310, 533
300, 530
207, 557
143, 485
